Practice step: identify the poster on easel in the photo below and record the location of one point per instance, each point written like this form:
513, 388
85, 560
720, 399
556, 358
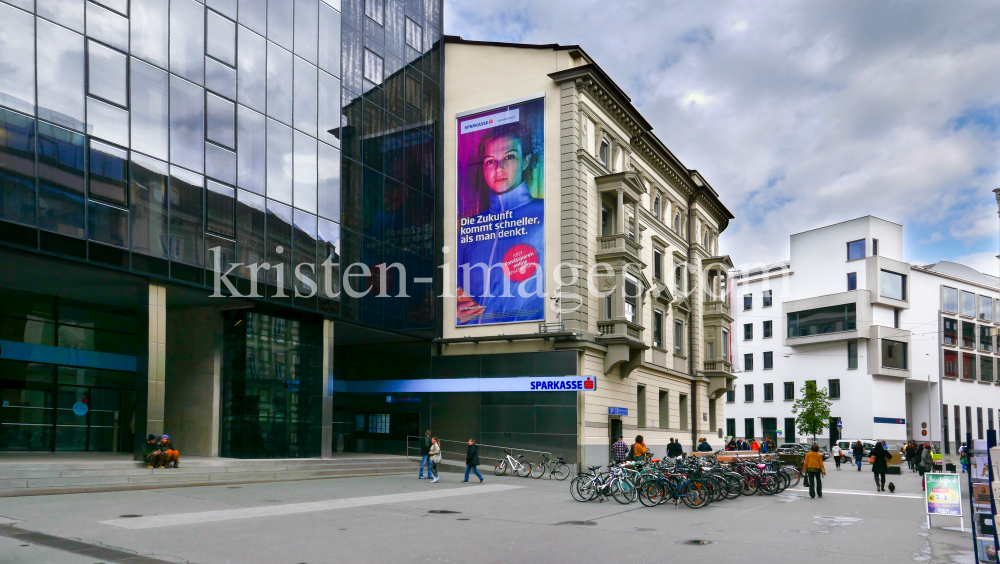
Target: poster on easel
944, 494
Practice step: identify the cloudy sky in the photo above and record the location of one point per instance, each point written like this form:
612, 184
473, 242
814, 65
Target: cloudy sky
802, 114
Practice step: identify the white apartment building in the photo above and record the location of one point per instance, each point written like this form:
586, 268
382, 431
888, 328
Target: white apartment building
848, 314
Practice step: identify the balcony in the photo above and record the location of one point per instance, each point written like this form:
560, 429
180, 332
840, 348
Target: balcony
625, 345
618, 246
617, 330
720, 377
717, 311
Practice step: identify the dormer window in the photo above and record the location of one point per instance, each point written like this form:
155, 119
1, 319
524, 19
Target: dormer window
602, 153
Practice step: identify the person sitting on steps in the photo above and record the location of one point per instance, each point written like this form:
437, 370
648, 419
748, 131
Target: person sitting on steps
170, 453
151, 452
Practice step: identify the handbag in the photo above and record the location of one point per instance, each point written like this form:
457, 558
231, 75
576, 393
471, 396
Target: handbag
436, 459
871, 460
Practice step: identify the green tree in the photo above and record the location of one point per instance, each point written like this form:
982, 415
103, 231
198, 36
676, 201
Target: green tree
812, 410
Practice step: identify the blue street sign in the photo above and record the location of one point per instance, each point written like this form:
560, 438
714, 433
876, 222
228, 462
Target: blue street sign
617, 411
840, 424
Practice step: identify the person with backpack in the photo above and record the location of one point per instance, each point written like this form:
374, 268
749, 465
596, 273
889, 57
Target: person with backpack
837, 454
639, 449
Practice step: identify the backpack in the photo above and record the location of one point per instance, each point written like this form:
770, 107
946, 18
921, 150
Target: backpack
631, 453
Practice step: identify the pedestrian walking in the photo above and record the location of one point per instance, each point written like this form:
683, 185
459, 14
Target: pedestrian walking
880, 464
858, 450
471, 461
425, 448
435, 458
837, 453
813, 467
620, 450
926, 462
911, 455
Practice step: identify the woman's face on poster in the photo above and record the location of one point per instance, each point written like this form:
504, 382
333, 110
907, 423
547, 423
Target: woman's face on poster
503, 164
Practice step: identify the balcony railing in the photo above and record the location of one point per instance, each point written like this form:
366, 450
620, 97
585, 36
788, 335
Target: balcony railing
718, 366
620, 243
619, 329
718, 307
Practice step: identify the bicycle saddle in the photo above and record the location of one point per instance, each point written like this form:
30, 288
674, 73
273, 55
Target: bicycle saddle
594, 468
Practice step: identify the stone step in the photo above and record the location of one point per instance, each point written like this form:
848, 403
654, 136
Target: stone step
197, 462
187, 469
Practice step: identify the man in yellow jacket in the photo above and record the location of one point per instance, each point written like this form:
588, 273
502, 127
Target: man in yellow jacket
812, 467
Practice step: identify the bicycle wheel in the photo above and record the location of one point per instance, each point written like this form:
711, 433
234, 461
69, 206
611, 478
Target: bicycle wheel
582, 488
538, 470
734, 486
650, 492
794, 477
623, 492
523, 469
561, 472
768, 484
749, 485
500, 468
695, 494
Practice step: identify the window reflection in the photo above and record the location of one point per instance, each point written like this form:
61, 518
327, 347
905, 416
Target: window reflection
250, 216
107, 26
60, 76
187, 124
304, 235
279, 22
108, 173
305, 172
149, 109
187, 41
305, 97
107, 71
221, 38
17, 44
60, 180
120, 6
279, 162
252, 68
279, 77
220, 207
220, 79
253, 14
107, 224
306, 29
224, 7
328, 108
148, 206
186, 196
66, 12
329, 182
17, 175
221, 121
329, 250
279, 242
251, 149
220, 163
329, 40
149, 31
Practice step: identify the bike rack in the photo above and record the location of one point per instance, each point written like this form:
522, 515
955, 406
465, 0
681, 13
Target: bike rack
514, 450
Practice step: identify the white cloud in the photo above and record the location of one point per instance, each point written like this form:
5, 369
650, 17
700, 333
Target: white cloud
806, 113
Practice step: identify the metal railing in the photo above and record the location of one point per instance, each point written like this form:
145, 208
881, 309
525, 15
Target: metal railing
413, 443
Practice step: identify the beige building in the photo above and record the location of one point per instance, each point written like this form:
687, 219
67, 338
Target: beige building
652, 322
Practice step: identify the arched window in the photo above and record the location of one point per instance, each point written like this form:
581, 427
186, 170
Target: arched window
603, 152
677, 222
656, 207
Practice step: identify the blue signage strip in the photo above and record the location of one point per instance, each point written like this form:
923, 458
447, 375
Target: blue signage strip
890, 420
12, 350
617, 411
515, 384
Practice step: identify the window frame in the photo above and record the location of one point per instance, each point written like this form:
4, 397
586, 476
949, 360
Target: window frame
944, 300
767, 329
833, 387
882, 285
852, 281
658, 329
748, 393
768, 360
604, 151
658, 264
789, 391
852, 359
767, 299
768, 392
961, 304
748, 362
679, 337
888, 347
864, 250
748, 302
748, 331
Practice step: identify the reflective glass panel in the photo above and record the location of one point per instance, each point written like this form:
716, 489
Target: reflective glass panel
107, 73
117, 5
329, 250
149, 109
60, 76
220, 163
107, 224
17, 59
148, 206
304, 235
221, 38
373, 67
221, 250
306, 29
224, 7
251, 149
108, 173
252, 69
279, 80
253, 14
149, 31
17, 165
893, 285
28, 5
329, 182
107, 26
187, 41
186, 197
187, 124
66, 12
305, 97
279, 242
250, 216
329, 40
279, 22
220, 79
279, 162
221, 121
305, 172
328, 107
60, 180
220, 201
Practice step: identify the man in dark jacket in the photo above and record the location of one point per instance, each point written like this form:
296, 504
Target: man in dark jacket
859, 452
674, 449
704, 446
151, 453
880, 464
425, 454
472, 460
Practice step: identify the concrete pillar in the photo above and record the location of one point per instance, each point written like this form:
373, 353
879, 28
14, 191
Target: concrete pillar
194, 379
635, 222
156, 368
326, 449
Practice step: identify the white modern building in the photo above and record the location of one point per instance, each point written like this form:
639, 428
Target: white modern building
848, 314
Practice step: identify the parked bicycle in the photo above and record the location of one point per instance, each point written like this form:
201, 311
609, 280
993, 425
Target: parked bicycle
556, 468
520, 467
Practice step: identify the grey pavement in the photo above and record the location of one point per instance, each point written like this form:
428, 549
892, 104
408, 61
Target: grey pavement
389, 519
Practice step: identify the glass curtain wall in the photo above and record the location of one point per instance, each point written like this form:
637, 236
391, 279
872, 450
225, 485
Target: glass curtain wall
131, 131
271, 387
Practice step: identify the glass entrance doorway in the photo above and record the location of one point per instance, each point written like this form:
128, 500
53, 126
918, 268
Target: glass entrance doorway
60, 408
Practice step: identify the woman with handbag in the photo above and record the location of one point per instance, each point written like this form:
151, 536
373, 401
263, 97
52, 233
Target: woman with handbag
880, 464
435, 458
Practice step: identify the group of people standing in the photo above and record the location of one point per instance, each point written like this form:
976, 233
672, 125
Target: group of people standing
430, 455
763, 447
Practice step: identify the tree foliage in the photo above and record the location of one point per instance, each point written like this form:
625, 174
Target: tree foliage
812, 410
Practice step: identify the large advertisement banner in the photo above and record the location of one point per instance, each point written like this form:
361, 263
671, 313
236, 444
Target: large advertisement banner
501, 219
944, 494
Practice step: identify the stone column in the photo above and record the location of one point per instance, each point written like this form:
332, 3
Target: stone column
156, 368
620, 213
326, 448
